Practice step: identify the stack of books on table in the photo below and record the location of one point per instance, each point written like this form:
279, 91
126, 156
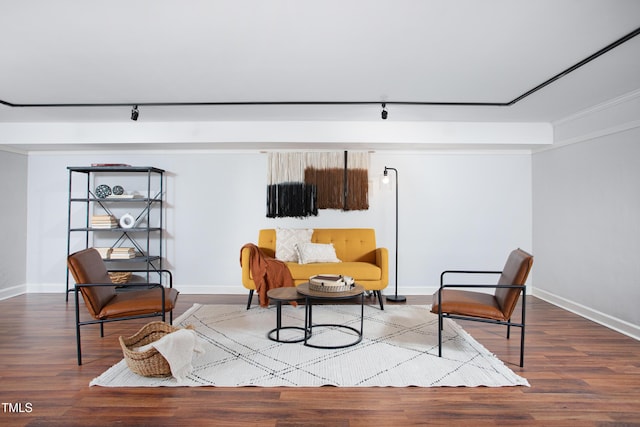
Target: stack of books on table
123, 253
104, 221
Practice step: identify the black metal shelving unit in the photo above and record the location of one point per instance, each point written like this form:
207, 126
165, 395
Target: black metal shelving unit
148, 206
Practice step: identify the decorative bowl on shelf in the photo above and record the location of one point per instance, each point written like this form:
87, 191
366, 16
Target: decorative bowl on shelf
103, 191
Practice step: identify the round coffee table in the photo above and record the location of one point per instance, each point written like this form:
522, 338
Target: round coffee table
280, 295
323, 297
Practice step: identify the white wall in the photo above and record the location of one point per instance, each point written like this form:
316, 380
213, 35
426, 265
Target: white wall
586, 215
457, 209
13, 217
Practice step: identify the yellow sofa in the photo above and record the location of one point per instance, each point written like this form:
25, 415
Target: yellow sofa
355, 247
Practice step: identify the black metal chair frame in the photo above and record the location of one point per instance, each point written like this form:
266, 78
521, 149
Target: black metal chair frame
127, 285
507, 323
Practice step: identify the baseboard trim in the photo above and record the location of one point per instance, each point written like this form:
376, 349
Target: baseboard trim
603, 319
13, 291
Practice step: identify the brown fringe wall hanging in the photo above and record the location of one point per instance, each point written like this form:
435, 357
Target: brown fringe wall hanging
357, 194
326, 172
301, 183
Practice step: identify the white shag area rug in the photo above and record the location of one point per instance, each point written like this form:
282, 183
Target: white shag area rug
399, 349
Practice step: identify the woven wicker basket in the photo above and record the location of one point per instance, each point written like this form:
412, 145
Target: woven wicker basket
148, 363
120, 277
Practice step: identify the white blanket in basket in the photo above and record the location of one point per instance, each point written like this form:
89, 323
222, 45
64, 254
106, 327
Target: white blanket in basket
178, 348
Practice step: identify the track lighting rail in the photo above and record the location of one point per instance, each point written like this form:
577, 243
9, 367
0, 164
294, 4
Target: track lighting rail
517, 99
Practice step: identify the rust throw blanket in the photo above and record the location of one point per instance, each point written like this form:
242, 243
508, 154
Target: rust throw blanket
267, 272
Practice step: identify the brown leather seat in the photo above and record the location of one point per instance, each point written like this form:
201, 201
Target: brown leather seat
496, 308
105, 304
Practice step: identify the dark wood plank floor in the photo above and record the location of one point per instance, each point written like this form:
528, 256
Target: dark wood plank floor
580, 374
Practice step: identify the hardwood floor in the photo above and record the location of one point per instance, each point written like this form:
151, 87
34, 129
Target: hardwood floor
580, 373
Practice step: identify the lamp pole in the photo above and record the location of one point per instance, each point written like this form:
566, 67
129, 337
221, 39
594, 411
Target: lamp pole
396, 297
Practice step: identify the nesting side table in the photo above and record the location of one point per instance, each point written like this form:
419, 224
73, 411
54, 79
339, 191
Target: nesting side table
312, 296
280, 295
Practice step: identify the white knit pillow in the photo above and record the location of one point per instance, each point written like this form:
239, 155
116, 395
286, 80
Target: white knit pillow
286, 241
316, 252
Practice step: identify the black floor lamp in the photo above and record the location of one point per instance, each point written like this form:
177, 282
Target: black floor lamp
396, 297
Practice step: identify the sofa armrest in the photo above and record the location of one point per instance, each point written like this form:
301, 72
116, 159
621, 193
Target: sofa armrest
247, 281
382, 261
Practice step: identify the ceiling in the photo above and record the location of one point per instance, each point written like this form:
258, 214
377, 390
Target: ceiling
315, 57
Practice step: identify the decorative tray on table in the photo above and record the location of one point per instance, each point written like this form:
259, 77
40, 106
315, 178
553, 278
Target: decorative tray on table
331, 283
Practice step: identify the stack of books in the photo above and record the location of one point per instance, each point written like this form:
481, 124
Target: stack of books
104, 221
123, 253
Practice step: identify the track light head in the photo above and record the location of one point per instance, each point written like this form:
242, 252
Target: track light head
384, 113
134, 113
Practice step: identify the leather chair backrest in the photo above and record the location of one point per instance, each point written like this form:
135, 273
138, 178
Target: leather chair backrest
87, 267
515, 272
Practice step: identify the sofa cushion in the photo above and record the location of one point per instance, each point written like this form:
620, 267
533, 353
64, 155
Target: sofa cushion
352, 244
287, 239
357, 270
316, 252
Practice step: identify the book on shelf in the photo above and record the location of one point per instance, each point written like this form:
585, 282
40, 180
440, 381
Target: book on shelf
116, 253
123, 196
104, 221
123, 253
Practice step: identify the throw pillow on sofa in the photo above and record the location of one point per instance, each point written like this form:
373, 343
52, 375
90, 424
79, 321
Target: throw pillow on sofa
286, 241
316, 252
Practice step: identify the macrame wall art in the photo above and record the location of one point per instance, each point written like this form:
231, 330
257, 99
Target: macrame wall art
301, 183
